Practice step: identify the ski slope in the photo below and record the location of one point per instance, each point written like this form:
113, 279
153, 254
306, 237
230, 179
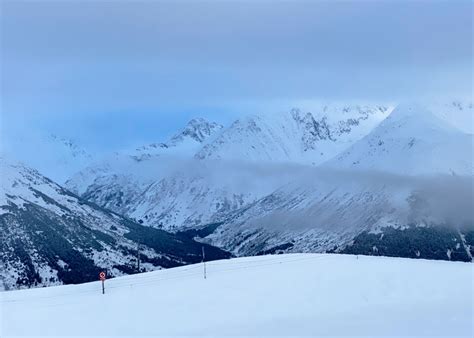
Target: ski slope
284, 295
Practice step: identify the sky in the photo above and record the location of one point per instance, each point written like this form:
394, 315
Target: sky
114, 73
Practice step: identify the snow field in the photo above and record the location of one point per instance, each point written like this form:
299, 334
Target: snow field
284, 295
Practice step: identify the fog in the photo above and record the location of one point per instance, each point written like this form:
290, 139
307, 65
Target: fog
325, 199
319, 196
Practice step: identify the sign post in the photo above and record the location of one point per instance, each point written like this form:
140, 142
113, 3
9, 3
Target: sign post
102, 278
204, 261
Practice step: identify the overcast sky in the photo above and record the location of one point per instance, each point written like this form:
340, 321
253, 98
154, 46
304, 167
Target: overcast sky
116, 72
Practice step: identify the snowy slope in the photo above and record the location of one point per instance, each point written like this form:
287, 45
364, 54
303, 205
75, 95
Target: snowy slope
284, 295
413, 141
206, 194
174, 193
458, 113
50, 236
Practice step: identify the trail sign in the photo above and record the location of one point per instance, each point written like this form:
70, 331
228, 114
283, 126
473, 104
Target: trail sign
102, 278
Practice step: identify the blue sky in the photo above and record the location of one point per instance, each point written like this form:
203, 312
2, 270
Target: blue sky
114, 73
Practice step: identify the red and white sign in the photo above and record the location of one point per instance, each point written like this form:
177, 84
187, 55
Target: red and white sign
102, 275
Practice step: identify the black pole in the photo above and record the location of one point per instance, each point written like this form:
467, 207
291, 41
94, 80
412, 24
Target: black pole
204, 261
138, 257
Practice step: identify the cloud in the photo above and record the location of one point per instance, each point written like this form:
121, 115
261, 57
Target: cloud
75, 63
337, 200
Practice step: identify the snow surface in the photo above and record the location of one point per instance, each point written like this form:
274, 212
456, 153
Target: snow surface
284, 295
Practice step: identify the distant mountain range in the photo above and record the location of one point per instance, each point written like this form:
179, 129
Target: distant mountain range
358, 179
183, 186
256, 174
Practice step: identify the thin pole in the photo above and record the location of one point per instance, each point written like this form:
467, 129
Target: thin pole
204, 262
103, 287
138, 257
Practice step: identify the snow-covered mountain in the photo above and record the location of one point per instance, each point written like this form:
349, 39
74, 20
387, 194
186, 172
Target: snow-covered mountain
413, 141
376, 183
135, 169
50, 236
207, 194
355, 179
295, 136
232, 168
175, 193
255, 183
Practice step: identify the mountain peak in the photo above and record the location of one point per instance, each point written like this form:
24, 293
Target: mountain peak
194, 133
411, 141
197, 129
72, 146
415, 116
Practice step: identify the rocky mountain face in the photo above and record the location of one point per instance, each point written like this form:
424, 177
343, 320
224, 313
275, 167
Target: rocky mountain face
51, 236
184, 143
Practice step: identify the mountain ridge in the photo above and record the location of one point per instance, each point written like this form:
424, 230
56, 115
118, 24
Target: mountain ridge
50, 236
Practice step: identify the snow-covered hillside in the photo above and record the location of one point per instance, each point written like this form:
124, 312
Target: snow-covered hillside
282, 295
413, 141
205, 194
50, 236
325, 210
458, 113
